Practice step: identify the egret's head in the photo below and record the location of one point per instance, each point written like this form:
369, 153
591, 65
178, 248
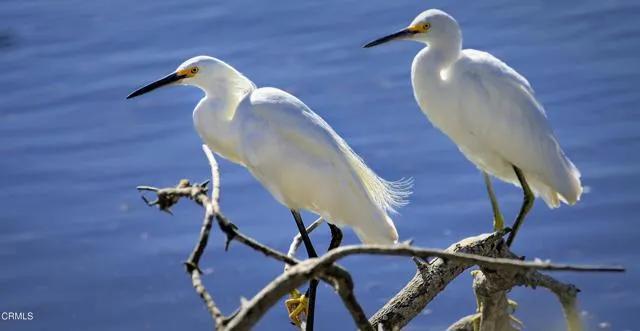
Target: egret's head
202, 71
432, 26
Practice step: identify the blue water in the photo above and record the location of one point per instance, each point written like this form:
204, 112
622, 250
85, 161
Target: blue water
80, 250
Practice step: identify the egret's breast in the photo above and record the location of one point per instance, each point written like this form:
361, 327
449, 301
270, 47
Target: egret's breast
218, 132
439, 96
435, 97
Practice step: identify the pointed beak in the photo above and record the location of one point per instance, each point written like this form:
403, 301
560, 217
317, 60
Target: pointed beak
171, 78
404, 33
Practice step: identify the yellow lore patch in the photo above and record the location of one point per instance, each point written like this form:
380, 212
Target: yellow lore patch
422, 27
188, 72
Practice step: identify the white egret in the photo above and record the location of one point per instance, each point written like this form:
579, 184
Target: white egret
490, 112
291, 151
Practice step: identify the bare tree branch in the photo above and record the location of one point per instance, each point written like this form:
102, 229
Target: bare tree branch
494, 309
344, 287
566, 294
487, 251
297, 240
491, 293
458, 257
430, 279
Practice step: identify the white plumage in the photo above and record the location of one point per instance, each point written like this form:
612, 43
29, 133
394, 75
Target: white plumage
496, 122
293, 152
487, 109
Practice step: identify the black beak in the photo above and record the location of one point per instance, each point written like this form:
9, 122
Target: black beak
398, 35
174, 77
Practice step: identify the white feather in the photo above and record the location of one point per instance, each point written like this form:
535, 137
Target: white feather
293, 152
490, 112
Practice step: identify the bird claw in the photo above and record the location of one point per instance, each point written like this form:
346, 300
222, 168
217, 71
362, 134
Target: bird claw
297, 307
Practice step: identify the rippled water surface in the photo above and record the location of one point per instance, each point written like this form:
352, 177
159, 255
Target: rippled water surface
81, 251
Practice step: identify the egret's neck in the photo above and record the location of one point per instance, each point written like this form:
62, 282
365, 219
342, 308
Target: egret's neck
440, 54
227, 88
215, 116
430, 72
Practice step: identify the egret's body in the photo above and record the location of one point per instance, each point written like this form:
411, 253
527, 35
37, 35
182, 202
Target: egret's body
488, 110
294, 154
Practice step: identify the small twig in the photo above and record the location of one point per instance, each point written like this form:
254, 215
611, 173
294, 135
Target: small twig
297, 240
344, 286
483, 261
233, 233
192, 264
215, 177
213, 309
194, 259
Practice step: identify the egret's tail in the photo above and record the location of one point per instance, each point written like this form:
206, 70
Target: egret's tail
566, 187
571, 191
388, 195
380, 232
395, 194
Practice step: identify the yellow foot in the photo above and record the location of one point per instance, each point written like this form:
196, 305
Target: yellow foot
297, 307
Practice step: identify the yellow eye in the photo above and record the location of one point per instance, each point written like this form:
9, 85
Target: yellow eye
194, 70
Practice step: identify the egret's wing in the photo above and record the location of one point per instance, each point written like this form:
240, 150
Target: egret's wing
483, 61
292, 120
499, 108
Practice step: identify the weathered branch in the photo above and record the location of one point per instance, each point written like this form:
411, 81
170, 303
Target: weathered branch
566, 294
431, 278
494, 309
343, 284
486, 251
458, 257
344, 287
168, 197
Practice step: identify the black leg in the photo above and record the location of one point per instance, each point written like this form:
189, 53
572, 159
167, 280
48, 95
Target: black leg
527, 203
313, 284
311, 252
336, 236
